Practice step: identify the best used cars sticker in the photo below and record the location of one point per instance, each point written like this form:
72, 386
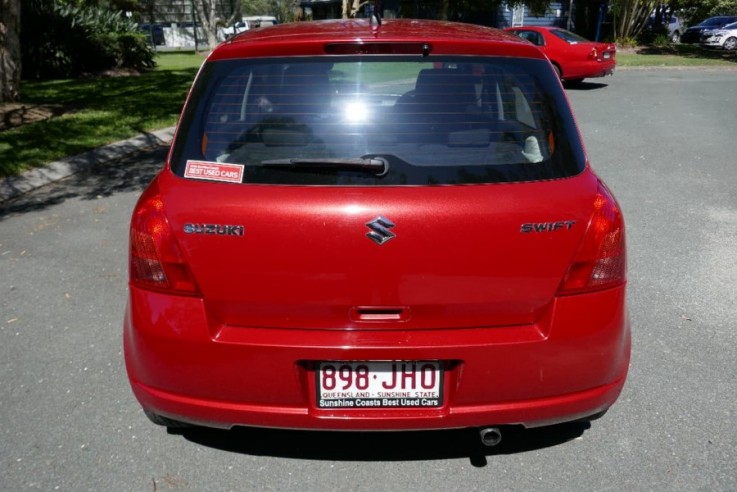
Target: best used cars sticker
214, 171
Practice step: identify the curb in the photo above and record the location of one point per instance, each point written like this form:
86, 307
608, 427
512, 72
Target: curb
15, 186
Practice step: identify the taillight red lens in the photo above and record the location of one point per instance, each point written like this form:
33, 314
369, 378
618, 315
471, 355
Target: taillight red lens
156, 262
601, 261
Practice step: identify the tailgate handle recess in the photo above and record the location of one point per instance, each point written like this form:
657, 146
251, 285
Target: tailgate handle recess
379, 314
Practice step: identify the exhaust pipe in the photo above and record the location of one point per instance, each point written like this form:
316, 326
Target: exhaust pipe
490, 436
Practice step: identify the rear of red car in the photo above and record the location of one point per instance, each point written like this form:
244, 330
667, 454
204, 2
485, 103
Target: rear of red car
362, 228
574, 57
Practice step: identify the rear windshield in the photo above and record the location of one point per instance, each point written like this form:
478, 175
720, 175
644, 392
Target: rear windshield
717, 21
377, 121
569, 36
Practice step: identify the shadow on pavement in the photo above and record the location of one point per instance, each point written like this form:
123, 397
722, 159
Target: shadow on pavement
381, 446
131, 173
584, 86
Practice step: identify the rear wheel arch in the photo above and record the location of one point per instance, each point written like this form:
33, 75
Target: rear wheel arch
558, 70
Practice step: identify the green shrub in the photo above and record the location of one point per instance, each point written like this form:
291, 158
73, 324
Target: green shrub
62, 41
662, 40
657, 37
627, 42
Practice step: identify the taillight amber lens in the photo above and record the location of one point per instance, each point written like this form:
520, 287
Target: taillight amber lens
601, 261
156, 261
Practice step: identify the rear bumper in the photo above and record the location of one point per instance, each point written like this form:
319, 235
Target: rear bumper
602, 68
589, 69
712, 43
183, 365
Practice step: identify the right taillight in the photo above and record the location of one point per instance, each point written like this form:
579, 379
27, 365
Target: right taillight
156, 261
601, 261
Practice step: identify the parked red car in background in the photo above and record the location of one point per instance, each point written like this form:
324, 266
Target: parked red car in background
377, 227
575, 58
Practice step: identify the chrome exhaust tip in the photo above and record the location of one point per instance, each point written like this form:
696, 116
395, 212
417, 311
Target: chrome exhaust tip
490, 436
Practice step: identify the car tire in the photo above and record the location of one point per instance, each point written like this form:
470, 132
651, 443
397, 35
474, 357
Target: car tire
730, 43
572, 82
558, 71
675, 38
166, 421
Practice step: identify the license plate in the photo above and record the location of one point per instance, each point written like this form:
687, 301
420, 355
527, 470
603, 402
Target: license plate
385, 384
607, 55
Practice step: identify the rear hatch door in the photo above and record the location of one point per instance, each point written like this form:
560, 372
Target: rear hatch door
328, 257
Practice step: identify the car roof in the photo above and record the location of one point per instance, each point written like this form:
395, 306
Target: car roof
718, 18
310, 38
534, 28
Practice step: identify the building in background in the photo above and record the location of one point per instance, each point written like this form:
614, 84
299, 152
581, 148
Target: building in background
504, 15
171, 23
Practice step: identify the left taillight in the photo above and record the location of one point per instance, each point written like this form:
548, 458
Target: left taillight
156, 260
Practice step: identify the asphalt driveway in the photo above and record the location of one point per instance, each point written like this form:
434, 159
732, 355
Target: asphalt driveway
663, 140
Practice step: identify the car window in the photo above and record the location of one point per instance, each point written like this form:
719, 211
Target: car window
716, 21
531, 36
731, 26
308, 121
568, 36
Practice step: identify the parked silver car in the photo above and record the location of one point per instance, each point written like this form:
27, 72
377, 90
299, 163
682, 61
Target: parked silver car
670, 24
725, 37
695, 33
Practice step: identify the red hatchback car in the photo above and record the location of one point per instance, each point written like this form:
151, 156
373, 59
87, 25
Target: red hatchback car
376, 227
574, 58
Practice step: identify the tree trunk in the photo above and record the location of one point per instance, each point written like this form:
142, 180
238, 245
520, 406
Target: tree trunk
445, 9
630, 17
209, 20
350, 8
354, 9
9, 50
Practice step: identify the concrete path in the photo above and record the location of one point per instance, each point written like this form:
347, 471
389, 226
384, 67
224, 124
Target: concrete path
35, 178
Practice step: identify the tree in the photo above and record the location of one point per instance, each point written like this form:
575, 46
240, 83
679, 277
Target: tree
629, 17
10, 59
694, 11
263, 7
66, 40
209, 19
351, 7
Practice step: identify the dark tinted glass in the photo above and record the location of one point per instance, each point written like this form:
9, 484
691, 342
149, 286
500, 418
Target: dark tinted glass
451, 121
569, 36
717, 21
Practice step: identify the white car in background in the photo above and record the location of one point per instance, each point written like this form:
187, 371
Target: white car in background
725, 37
245, 24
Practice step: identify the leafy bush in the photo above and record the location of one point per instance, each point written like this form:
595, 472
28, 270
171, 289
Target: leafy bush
662, 40
657, 36
627, 42
62, 41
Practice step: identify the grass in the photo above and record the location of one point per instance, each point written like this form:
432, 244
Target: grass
97, 111
680, 55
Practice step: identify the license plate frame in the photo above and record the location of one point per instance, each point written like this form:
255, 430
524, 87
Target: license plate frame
382, 385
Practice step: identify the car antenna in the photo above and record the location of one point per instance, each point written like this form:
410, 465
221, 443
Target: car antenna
376, 16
